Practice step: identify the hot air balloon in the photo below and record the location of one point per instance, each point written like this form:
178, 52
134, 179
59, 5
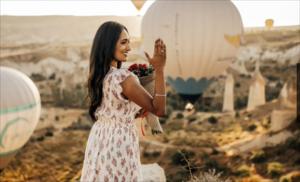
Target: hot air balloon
20, 108
202, 39
138, 3
269, 23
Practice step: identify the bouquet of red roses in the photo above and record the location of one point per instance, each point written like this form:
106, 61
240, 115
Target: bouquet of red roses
141, 70
146, 76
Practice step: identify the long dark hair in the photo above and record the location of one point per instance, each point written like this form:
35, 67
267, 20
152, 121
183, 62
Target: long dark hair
102, 54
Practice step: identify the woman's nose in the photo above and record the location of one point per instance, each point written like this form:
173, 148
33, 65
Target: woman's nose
128, 48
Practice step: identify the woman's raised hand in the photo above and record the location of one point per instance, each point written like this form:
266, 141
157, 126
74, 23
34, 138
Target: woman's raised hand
158, 60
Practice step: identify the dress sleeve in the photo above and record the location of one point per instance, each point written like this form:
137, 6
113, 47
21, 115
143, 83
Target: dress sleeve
120, 76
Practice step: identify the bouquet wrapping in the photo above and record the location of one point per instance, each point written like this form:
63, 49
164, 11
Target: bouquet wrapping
146, 77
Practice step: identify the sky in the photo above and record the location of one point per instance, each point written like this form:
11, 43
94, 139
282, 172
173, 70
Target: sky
253, 12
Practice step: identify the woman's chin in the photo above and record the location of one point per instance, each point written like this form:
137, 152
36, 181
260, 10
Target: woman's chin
121, 59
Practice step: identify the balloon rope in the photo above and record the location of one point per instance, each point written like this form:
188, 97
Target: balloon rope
176, 44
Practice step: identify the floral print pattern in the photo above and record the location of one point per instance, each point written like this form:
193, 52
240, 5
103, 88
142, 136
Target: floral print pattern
112, 150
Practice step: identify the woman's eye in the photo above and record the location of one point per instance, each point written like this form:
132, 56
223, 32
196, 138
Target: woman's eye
125, 42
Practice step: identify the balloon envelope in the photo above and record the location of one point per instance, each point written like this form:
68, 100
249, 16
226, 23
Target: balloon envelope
269, 23
138, 3
20, 109
202, 38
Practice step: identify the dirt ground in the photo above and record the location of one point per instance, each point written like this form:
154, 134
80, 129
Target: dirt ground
55, 150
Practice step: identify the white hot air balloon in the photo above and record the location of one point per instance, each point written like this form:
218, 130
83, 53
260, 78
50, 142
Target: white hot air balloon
202, 39
20, 108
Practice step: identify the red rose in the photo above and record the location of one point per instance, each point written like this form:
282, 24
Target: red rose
141, 69
133, 67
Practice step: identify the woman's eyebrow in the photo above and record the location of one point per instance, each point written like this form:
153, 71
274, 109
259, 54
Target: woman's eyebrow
126, 39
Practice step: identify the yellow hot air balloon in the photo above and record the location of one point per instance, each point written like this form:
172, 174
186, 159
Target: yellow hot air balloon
138, 3
234, 40
199, 36
269, 23
20, 108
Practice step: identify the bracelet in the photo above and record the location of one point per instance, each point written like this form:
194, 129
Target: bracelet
160, 95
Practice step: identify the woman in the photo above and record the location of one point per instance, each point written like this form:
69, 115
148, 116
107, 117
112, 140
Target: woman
116, 96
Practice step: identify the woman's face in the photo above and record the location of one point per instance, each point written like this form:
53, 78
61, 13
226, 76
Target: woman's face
122, 47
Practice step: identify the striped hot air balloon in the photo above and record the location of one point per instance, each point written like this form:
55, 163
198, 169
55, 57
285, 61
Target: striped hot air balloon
202, 39
20, 108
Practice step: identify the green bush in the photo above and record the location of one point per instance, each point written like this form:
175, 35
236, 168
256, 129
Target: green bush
210, 176
179, 115
272, 78
258, 156
272, 93
293, 142
275, 169
243, 171
37, 77
192, 118
182, 157
293, 176
237, 114
240, 103
213, 164
212, 120
52, 76
251, 127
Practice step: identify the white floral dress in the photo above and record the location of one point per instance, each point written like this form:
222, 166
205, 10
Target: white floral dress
112, 150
